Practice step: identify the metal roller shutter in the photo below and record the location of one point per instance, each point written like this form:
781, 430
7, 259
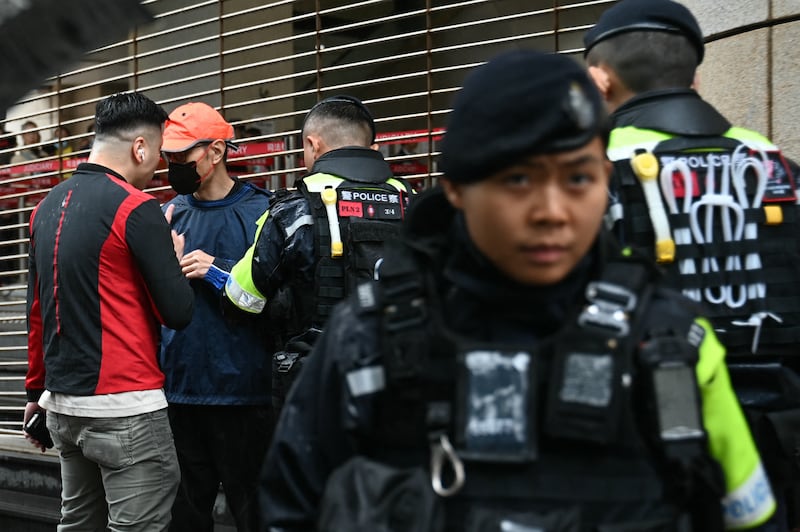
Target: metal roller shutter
264, 64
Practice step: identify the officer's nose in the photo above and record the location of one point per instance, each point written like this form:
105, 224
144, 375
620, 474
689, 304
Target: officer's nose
549, 206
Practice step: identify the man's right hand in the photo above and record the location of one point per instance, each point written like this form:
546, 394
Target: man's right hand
31, 408
178, 241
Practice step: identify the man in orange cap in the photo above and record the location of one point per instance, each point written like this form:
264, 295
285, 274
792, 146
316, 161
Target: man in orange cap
217, 373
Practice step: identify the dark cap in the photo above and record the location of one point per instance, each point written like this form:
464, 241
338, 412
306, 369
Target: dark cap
646, 15
519, 104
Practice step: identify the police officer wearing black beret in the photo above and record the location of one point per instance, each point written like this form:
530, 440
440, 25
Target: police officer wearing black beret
513, 368
643, 56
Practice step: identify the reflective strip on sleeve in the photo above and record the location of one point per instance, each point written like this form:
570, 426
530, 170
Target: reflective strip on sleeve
751, 503
306, 219
246, 301
365, 381
749, 500
239, 287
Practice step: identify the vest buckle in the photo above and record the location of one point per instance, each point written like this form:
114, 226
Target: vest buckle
608, 308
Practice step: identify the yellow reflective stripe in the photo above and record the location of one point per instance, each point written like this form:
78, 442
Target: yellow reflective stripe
239, 287
260, 224
748, 501
751, 504
396, 183
625, 140
751, 138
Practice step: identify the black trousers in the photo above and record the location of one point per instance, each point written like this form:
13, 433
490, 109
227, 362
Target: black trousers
218, 444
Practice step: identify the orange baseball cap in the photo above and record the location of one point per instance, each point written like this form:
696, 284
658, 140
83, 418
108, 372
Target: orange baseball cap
192, 123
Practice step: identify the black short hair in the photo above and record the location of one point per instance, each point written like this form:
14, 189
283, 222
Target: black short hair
342, 120
648, 60
126, 112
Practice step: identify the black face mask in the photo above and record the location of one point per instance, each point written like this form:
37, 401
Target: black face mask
183, 177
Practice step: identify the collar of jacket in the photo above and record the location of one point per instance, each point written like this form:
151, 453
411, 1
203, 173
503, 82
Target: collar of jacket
676, 111
354, 163
93, 167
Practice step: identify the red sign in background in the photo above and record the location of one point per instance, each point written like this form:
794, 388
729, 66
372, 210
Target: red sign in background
19, 185
16, 185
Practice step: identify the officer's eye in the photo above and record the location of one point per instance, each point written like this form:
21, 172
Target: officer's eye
172, 157
516, 179
580, 178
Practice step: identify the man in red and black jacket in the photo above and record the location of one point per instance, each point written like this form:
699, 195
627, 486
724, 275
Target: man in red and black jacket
103, 277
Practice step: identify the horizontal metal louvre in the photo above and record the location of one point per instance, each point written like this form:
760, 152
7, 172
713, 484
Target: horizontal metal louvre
264, 65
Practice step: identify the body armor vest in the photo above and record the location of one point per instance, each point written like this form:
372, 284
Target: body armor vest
550, 426
719, 214
352, 220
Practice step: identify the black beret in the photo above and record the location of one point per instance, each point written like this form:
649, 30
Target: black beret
646, 15
519, 104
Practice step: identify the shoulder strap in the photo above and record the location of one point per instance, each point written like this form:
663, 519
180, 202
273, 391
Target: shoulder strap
406, 311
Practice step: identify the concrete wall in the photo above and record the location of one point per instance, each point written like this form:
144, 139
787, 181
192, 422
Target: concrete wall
753, 76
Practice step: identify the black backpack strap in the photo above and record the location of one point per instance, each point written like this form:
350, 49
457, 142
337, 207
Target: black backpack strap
404, 325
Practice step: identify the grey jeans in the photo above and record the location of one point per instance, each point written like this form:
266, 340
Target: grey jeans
118, 474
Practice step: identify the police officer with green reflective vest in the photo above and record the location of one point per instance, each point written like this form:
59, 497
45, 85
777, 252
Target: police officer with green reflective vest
314, 243
716, 205
514, 368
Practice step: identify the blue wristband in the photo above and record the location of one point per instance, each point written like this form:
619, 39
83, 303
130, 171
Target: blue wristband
216, 277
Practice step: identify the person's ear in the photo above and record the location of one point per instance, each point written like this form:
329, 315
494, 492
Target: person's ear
453, 192
375, 146
217, 150
315, 142
139, 149
696, 82
601, 80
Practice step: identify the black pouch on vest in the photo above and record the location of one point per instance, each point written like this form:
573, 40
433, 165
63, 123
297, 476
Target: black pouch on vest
670, 363
496, 405
777, 435
583, 402
559, 520
286, 365
366, 496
